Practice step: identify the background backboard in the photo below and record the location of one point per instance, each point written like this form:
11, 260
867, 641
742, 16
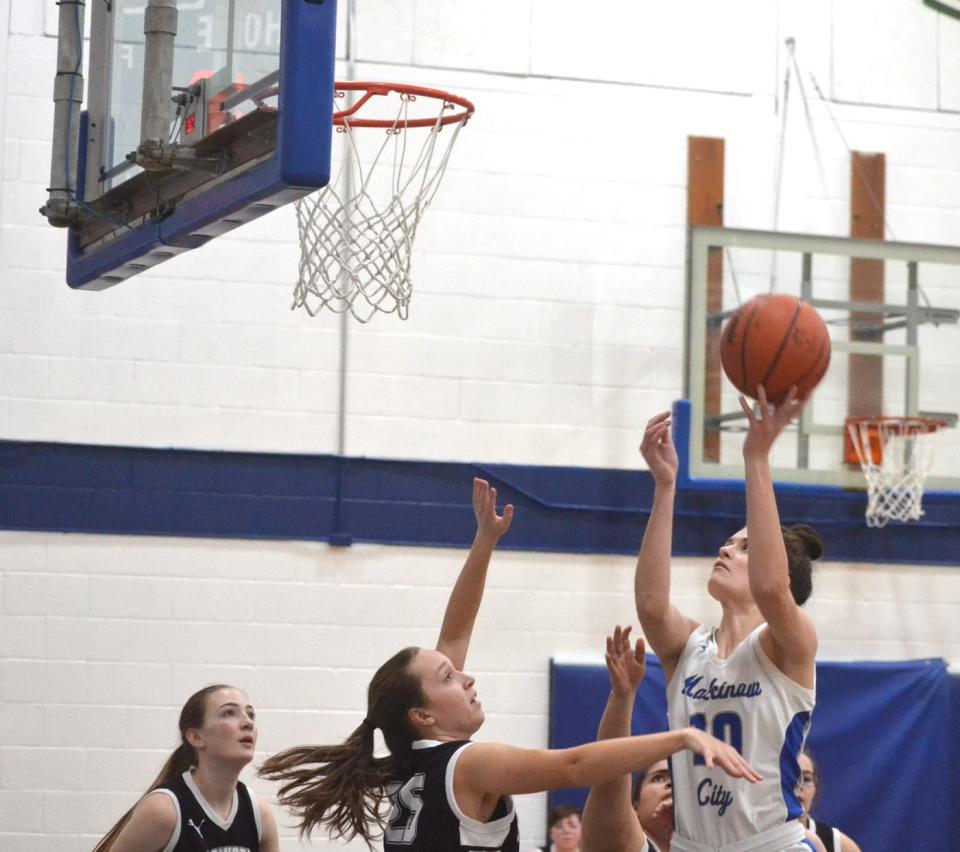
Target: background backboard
913, 329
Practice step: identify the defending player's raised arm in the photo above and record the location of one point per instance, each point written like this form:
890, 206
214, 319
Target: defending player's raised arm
791, 630
665, 627
464, 601
626, 667
609, 821
490, 769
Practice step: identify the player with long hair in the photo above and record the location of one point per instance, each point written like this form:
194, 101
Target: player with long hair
445, 791
197, 801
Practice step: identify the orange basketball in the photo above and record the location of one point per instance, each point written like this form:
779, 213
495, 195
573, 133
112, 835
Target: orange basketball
775, 341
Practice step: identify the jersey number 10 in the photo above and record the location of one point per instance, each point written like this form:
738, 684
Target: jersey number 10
726, 726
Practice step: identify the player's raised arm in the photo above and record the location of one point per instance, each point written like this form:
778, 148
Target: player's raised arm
791, 631
626, 666
464, 602
609, 822
665, 627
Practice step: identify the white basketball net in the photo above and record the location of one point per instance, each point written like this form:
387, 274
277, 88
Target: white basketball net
896, 455
356, 234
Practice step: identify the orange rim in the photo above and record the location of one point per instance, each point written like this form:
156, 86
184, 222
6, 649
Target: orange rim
451, 102
901, 425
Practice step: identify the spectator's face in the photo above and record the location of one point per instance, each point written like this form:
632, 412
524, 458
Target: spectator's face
565, 833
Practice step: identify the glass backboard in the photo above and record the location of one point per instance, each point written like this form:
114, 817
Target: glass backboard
234, 121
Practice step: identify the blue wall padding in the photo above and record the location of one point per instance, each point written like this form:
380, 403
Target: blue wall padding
135, 491
884, 735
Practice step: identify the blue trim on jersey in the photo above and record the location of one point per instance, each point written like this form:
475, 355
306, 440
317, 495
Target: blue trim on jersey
789, 762
806, 842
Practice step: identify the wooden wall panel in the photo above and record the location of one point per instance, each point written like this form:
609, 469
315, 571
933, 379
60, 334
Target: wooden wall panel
867, 220
705, 207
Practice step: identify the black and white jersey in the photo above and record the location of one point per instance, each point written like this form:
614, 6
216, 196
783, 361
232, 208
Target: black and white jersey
425, 817
200, 829
827, 833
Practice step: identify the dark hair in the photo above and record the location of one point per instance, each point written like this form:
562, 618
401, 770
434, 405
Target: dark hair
561, 812
803, 545
342, 787
639, 778
192, 715
816, 773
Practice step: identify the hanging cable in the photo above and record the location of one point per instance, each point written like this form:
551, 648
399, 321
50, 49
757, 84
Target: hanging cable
810, 131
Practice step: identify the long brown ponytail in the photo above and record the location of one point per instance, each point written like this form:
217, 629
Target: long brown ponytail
342, 787
182, 758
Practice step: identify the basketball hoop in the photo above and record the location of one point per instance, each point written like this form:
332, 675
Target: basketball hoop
356, 234
896, 454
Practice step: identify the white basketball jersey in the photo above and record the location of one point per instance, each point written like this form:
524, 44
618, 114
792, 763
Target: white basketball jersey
746, 701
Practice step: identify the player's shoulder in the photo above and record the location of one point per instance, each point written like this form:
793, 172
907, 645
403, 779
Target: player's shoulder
158, 806
152, 823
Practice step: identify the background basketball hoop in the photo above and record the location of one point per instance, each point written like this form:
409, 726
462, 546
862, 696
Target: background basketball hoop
896, 454
356, 234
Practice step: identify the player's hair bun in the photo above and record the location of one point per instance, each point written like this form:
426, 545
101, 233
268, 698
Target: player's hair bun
806, 538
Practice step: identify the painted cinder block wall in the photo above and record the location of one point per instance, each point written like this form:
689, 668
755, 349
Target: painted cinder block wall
546, 327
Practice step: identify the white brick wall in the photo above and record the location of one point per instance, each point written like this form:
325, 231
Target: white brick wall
546, 326
103, 638
552, 258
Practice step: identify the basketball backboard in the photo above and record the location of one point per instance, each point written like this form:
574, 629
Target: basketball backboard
912, 333
233, 122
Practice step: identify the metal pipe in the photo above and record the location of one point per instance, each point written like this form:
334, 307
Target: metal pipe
340, 537
100, 152
61, 208
805, 420
912, 378
347, 190
160, 31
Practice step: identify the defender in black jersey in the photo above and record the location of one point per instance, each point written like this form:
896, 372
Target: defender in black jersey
833, 839
448, 793
201, 829
197, 803
424, 814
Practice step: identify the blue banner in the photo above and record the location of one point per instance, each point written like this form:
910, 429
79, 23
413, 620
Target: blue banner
884, 735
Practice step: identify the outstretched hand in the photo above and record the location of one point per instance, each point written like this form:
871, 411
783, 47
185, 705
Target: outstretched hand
764, 427
626, 665
658, 450
717, 753
489, 523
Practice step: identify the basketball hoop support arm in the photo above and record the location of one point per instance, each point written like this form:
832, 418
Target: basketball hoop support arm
160, 32
61, 208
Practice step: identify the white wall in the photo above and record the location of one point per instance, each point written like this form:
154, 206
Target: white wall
549, 273
545, 328
102, 639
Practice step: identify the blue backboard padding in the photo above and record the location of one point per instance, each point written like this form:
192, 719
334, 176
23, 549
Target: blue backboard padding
75, 487
301, 163
881, 734
954, 751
